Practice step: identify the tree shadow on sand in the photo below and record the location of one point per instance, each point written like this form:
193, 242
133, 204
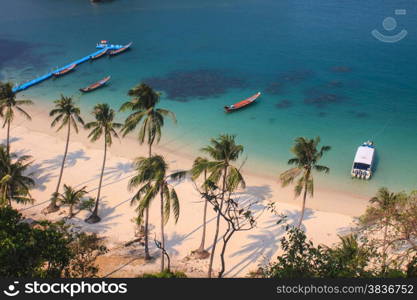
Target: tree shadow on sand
113, 174
265, 244
107, 215
71, 160
11, 141
255, 195
40, 175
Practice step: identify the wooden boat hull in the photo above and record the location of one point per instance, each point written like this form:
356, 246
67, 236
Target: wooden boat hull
96, 85
241, 104
121, 50
65, 71
101, 54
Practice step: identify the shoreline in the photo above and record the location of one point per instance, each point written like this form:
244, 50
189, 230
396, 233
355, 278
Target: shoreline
329, 214
169, 147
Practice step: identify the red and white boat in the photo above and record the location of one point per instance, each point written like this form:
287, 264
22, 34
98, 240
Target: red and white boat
242, 104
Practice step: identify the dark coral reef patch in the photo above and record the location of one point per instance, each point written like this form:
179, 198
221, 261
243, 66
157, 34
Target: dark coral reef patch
284, 104
195, 84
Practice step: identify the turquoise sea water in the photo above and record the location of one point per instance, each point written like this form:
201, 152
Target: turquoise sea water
320, 70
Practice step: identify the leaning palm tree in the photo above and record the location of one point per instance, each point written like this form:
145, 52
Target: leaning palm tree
306, 161
152, 180
65, 113
103, 126
150, 119
8, 105
71, 197
199, 169
223, 152
15, 183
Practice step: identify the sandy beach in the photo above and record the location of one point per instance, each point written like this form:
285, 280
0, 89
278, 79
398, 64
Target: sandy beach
330, 213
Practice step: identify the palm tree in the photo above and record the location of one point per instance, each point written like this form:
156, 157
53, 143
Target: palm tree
201, 168
306, 160
223, 151
151, 120
152, 180
8, 105
144, 113
72, 197
104, 125
66, 113
14, 185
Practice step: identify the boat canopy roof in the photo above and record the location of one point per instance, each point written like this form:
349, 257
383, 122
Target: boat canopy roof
364, 155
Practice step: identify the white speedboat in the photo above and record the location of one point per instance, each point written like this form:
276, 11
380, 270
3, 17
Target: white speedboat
363, 161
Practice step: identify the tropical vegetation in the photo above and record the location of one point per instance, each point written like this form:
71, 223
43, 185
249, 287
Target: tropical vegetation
103, 127
9, 105
15, 178
152, 181
150, 120
66, 113
307, 157
381, 244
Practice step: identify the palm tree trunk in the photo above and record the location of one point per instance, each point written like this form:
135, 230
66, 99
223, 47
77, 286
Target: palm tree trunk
216, 234
71, 213
94, 218
203, 237
303, 207
162, 233
8, 138
147, 255
52, 206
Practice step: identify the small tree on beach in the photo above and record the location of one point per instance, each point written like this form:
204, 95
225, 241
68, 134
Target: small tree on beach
152, 181
65, 113
390, 226
143, 113
237, 213
71, 197
104, 126
15, 182
223, 152
8, 105
306, 161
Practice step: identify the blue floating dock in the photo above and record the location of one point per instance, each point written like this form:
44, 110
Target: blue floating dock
102, 46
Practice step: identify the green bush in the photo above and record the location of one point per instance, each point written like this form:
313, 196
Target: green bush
164, 274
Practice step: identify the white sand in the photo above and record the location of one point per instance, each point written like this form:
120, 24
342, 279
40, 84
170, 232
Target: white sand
330, 212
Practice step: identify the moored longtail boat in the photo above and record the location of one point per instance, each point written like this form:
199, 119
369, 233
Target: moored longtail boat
100, 54
65, 71
241, 104
96, 85
118, 51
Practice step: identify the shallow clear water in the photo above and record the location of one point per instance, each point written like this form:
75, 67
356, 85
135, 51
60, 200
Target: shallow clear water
320, 70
